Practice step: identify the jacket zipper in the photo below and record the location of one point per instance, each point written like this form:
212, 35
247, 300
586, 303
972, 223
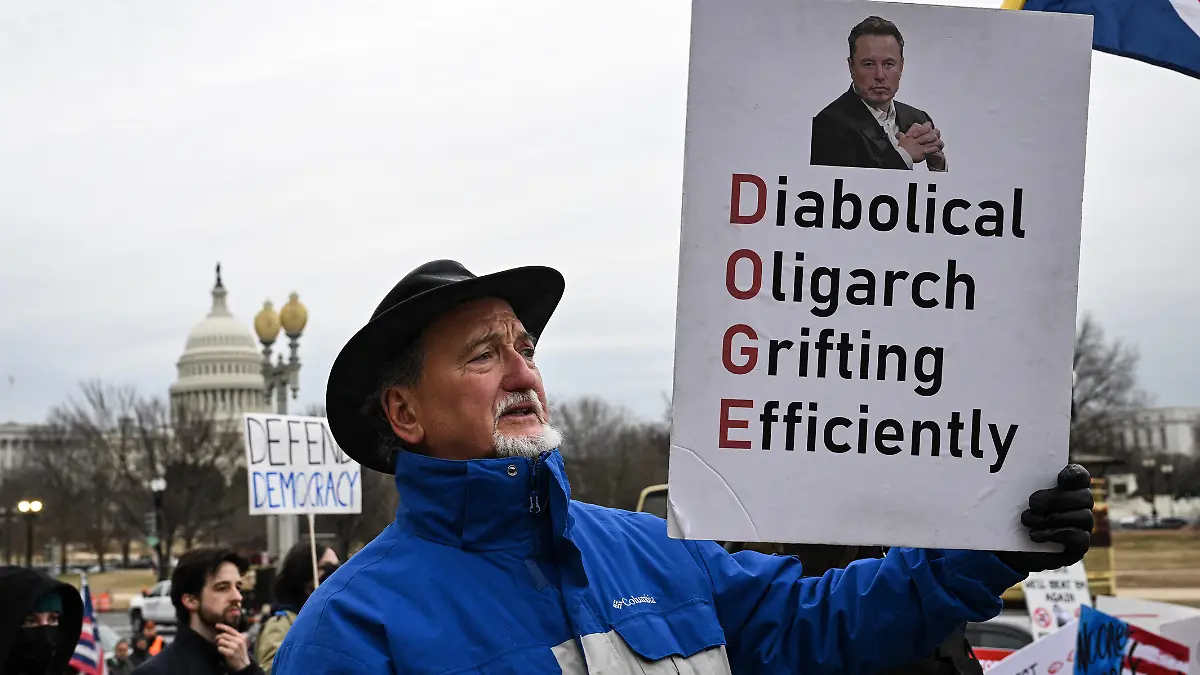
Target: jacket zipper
535, 506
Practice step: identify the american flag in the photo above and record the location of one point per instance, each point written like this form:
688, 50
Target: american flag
89, 653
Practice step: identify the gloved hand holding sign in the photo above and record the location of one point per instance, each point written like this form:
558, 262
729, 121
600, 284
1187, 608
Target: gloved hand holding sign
1062, 515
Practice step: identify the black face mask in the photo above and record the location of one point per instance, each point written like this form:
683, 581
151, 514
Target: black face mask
34, 650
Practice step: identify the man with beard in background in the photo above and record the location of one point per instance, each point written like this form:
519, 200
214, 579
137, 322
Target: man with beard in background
206, 591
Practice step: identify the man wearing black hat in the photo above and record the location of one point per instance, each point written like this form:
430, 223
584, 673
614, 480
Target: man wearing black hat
490, 567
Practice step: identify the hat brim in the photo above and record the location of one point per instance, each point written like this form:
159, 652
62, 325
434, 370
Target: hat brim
533, 292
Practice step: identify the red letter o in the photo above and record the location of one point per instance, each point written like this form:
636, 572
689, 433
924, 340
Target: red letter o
731, 270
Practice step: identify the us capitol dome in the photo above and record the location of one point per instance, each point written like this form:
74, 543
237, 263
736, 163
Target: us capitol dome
221, 368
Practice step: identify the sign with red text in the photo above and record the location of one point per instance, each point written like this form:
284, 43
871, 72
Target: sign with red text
1055, 598
1187, 633
878, 271
990, 657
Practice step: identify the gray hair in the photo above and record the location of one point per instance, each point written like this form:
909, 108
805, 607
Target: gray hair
402, 371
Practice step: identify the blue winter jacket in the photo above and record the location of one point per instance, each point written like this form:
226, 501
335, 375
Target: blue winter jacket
490, 568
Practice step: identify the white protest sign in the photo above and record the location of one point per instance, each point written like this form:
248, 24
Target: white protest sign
294, 466
1054, 598
1054, 655
870, 356
1146, 614
1186, 632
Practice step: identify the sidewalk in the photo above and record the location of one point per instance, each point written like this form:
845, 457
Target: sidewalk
1179, 596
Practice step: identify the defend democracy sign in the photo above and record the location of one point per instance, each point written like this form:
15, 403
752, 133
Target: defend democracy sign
295, 466
874, 338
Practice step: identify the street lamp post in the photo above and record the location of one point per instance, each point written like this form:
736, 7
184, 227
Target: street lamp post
8, 516
159, 487
31, 509
1167, 470
1151, 464
278, 377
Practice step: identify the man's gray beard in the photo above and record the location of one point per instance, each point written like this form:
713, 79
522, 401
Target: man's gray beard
547, 439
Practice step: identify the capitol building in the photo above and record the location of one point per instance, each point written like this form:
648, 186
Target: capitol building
220, 372
221, 368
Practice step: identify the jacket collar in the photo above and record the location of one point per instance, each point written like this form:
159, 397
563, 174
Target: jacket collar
513, 503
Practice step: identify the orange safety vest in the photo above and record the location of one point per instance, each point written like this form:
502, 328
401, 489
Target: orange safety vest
156, 646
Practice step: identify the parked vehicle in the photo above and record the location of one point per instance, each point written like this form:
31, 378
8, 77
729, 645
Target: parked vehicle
152, 605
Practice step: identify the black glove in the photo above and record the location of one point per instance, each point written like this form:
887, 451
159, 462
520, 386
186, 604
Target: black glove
1062, 515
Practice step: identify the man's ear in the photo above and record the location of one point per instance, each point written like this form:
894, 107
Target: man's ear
399, 406
191, 602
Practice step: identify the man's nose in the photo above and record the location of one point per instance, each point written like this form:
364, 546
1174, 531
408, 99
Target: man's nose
237, 594
518, 374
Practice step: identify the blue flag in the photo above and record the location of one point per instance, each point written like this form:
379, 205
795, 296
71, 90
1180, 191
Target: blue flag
1164, 33
1100, 645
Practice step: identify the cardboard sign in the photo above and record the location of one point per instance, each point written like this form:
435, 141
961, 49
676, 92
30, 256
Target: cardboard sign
1155, 654
1054, 655
867, 354
1147, 614
1055, 598
294, 466
1186, 632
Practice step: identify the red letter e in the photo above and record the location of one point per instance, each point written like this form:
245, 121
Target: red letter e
727, 424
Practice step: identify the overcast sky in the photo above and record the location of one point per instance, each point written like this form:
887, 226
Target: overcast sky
328, 148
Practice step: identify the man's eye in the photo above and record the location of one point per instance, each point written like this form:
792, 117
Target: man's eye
527, 352
482, 356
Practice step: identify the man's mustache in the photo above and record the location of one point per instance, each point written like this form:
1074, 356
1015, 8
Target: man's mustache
515, 398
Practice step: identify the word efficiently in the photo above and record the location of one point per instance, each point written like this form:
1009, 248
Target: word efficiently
839, 435
882, 212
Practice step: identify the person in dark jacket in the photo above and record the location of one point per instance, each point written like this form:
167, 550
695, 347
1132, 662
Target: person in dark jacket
40, 620
206, 593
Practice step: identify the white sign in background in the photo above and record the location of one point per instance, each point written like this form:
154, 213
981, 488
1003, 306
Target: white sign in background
1186, 632
1054, 655
294, 466
784, 428
1054, 598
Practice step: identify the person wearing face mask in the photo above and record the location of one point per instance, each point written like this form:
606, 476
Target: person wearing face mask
40, 620
292, 587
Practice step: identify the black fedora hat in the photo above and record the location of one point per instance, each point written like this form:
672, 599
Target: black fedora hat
420, 297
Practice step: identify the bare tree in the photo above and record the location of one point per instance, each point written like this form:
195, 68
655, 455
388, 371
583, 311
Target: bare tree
1106, 397
611, 455
75, 459
98, 453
